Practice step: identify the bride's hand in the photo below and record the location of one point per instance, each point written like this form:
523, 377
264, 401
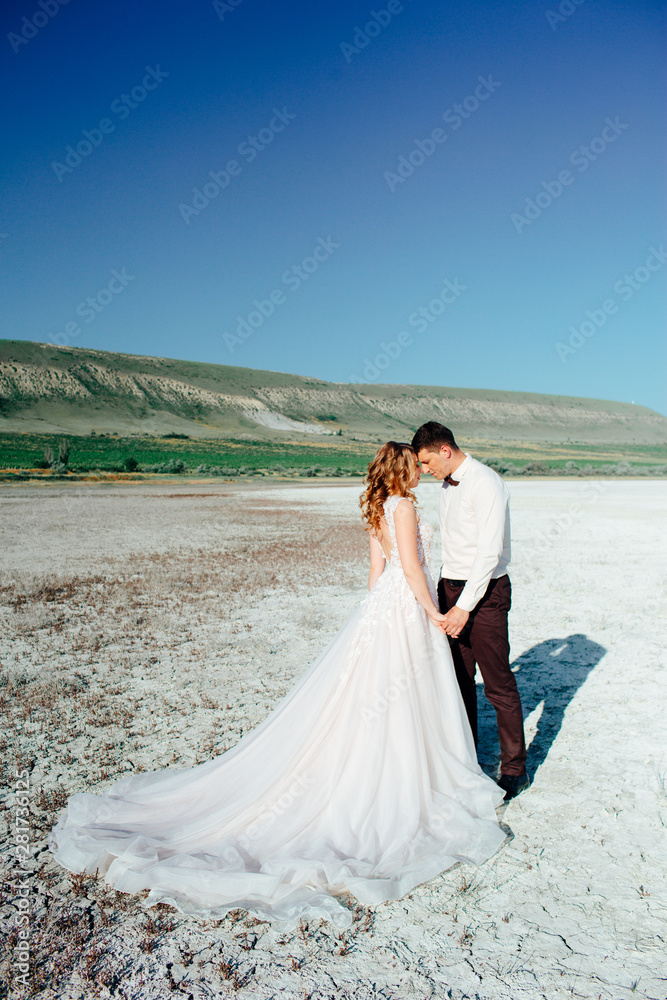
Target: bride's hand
438, 620
456, 620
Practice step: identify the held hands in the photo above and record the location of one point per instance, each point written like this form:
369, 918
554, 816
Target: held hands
438, 620
454, 621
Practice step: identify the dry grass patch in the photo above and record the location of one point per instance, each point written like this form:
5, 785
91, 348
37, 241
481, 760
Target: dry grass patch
105, 673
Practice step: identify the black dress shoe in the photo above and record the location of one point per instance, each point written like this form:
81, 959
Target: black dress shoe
513, 784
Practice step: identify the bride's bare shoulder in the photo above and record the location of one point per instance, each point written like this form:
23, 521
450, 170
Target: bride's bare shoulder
405, 509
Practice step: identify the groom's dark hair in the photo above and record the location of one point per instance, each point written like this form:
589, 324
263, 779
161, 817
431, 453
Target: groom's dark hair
431, 436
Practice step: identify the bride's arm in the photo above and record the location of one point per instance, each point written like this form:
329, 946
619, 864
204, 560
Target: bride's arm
377, 561
405, 522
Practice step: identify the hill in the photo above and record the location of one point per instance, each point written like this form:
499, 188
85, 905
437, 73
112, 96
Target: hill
45, 388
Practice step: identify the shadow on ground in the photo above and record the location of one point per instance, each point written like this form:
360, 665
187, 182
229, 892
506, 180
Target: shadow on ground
548, 675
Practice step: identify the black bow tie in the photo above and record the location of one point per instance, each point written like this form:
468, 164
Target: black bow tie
452, 482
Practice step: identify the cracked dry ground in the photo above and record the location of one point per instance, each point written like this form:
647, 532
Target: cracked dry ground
164, 655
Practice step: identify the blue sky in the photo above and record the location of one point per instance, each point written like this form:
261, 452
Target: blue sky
446, 194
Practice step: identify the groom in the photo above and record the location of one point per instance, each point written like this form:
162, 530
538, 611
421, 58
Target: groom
474, 590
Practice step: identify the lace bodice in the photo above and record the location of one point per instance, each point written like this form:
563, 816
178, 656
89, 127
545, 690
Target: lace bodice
391, 602
424, 534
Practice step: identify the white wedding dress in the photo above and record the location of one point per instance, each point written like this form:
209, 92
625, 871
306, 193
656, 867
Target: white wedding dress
363, 779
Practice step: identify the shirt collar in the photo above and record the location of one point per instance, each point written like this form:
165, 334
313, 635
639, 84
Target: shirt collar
462, 469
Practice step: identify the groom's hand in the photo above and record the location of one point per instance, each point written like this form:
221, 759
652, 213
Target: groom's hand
455, 619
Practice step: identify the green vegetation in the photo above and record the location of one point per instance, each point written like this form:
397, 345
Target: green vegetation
178, 454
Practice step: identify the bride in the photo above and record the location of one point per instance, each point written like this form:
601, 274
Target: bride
363, 779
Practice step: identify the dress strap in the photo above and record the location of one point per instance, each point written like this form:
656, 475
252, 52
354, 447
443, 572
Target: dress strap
390, 505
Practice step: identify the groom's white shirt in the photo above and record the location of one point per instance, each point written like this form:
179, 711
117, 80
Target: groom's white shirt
475, 529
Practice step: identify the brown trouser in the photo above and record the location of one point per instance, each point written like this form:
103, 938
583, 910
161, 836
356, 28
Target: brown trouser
484, 641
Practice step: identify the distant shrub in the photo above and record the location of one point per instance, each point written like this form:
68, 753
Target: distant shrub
221, 470
537, 469
50, 460
496, 464
173, 434
172, 466
131, 463
504, 468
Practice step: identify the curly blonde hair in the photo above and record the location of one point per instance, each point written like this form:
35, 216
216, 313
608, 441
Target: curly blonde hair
389, 473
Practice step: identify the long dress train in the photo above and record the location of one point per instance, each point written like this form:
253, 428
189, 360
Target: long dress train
363, 779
